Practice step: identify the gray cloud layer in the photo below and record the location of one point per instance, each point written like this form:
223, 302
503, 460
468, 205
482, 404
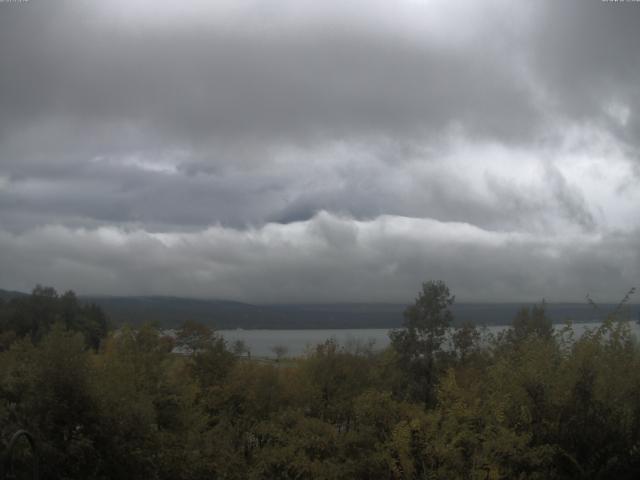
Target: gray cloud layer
326, 258
227, 126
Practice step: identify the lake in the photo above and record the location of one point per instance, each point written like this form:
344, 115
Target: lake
297, 342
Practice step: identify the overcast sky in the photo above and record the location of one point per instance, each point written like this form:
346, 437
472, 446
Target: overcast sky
305, 150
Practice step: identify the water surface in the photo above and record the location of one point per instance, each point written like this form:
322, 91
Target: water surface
261, 343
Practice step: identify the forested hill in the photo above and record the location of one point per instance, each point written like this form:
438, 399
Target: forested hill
171, 311
9, 294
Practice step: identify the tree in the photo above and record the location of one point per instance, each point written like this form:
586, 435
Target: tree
48, 389
466, 339
210, 360
279, 351
241, 348
419, 342
34, 315
531, 321
89, 319
193, 337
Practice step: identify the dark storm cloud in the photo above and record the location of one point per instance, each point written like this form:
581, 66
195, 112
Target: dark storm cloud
227, 126
197, 85
570, 200
201, 84
585, 55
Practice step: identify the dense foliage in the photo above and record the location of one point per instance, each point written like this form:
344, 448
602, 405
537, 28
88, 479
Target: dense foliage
440, 403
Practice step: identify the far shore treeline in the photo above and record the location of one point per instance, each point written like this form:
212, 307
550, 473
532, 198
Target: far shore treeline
171, 311
531, 402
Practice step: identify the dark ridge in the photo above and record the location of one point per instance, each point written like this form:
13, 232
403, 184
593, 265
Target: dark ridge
9, 294
171, 311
